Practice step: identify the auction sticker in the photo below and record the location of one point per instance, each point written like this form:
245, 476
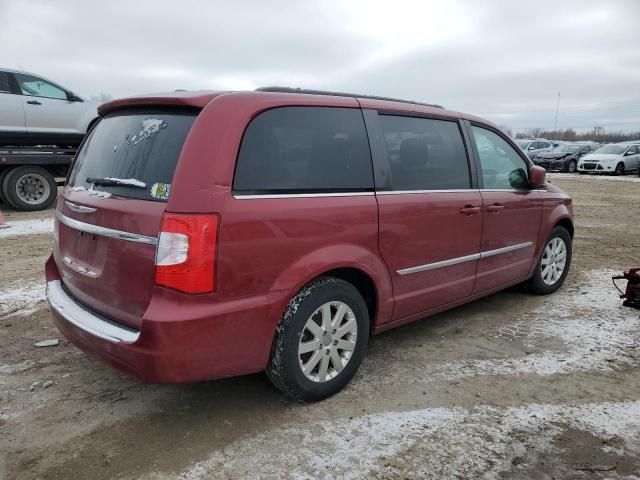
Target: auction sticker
160, 191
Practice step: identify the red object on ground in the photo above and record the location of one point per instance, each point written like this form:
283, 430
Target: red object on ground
3, 224
632, 292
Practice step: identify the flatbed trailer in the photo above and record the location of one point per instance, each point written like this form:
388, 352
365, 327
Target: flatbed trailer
28, 175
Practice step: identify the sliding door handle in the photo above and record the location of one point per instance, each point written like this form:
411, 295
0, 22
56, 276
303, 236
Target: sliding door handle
470, 210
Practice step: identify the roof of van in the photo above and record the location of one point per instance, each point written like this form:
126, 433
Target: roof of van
200, 98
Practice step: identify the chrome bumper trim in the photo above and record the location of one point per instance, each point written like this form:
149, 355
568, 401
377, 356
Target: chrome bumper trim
71, 311
466, 258
104, 231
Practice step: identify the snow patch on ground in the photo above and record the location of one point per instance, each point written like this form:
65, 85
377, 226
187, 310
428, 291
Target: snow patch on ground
22, 300
326, 449
597, 331
27, 227
475, 443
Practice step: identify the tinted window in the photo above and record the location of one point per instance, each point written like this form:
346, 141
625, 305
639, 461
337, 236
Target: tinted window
5, 85
137, 147
502, 167
37, 87
425, 154
303, 150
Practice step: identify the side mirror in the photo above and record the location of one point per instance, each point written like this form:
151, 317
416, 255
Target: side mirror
72, 97
537, 177
531, 148
628, 153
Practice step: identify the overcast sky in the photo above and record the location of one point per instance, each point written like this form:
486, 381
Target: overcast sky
504, 60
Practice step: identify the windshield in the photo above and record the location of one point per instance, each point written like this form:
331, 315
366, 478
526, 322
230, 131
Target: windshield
523, 143
564, 148
132, 153
612, 149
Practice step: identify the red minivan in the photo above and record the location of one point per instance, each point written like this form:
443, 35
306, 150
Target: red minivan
203, 235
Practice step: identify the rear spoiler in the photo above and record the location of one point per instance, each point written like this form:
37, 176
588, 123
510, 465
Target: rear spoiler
196, 99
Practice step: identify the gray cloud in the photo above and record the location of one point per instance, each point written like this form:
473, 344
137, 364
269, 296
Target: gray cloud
503, 60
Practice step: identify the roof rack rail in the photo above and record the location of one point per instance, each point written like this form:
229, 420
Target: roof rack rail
341, 94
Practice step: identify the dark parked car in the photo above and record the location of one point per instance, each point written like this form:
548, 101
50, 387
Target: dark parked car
204, 235
564, 158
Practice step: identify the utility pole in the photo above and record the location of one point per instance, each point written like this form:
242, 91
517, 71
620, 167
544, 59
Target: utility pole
555, 124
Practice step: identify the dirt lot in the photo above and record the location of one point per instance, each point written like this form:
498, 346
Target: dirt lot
513, 386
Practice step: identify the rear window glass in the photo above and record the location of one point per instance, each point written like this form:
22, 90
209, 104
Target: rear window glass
133, 153
425, 154
304, 150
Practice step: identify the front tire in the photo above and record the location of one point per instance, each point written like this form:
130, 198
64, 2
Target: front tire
321, 340
619, 169
554, 263
572, 167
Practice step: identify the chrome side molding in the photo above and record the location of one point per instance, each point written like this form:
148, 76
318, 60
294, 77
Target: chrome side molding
104, 231
72, 312
466, 258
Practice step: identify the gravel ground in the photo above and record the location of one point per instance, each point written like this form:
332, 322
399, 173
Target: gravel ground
512, 386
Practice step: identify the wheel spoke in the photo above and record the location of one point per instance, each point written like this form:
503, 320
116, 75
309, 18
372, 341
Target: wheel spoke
310, 346
337, 318
545, 272
313, 361
326, 317
314, 329
346, 345
546, 260
346, 328
324, 367
336, 360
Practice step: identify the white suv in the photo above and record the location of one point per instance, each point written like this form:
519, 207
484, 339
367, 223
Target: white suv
36, 111
615, 158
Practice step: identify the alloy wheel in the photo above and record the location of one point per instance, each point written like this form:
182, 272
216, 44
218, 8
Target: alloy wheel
554, 260
327, 342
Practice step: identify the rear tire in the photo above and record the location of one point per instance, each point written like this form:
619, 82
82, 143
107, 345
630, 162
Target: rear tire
553, 265
307, 362
29, 188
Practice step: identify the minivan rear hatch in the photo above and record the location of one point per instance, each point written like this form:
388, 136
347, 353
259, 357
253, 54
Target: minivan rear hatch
110, 214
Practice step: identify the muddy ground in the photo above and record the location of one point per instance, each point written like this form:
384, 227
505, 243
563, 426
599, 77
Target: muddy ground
512, 386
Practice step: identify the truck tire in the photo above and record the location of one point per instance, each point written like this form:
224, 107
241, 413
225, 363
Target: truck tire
3, 172
29, 188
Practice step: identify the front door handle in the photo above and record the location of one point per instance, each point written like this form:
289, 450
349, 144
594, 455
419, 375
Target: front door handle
34, 102
469, 210
495, 208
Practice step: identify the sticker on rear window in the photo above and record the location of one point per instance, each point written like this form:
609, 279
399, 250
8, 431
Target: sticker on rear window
160, 191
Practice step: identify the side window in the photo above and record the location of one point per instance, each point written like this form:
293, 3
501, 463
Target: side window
502, 167
5, 83
39, 88
425, 154
543, 145
304, 150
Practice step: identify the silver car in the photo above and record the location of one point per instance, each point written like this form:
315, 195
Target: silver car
534, 146
614, 158
37, 111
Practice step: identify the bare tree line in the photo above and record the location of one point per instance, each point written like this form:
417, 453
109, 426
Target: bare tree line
597, 134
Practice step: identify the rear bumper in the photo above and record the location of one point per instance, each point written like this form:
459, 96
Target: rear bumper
182, 338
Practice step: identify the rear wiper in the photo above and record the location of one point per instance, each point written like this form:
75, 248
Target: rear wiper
119, 182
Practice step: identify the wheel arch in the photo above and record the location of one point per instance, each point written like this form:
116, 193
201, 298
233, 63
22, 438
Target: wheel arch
367, 272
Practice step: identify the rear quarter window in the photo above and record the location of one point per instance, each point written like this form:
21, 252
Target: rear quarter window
304, 150
137, 148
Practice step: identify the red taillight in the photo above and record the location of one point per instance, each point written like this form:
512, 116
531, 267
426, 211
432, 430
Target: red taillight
186, 255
